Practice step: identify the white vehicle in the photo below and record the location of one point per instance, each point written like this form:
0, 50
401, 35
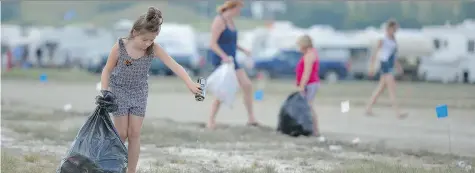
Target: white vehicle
454, 58
458, 70
467, 70
441, 67
180, 41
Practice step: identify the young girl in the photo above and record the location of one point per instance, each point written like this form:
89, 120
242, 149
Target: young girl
387, 49
125, 75
307, 77
224, 45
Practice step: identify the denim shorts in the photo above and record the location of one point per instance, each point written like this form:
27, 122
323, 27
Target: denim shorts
387, 67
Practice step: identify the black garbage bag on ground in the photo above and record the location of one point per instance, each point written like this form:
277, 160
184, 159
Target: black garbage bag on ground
295, 117
97, 147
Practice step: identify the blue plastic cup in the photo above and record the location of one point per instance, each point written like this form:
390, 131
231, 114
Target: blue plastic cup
259, 95
43, 78
442, 111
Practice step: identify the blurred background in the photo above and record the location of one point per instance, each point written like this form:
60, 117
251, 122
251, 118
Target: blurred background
436, 39
52, 53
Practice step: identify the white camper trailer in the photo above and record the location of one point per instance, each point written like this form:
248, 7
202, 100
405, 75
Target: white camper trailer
180, 41
441, 67
455, 51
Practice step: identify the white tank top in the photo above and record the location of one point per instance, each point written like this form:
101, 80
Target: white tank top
388, 48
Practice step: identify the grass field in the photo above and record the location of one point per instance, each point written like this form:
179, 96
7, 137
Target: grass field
41, 163
65, 75
179, 146
35, 135
411, 94
51, 13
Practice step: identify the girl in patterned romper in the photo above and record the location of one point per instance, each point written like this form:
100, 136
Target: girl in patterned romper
125, 75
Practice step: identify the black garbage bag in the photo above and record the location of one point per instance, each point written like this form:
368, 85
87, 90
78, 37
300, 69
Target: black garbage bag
295, 116
97, 147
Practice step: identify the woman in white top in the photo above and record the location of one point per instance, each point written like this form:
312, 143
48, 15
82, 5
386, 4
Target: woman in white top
386, 55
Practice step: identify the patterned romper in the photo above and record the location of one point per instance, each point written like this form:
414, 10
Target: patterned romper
128, 82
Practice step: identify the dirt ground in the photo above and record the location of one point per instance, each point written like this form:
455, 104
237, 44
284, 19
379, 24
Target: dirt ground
174, 140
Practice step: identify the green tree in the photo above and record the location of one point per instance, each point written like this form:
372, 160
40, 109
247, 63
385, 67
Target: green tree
10, 10
468, 9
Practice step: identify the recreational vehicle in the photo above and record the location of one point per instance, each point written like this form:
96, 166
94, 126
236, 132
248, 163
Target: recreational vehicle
454, 58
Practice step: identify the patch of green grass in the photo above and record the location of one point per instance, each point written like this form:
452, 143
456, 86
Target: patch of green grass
255, 169
69, 75
51, 13
169, 133
54, 126
380, 167
14, 115
251, 169
27, 162
44, 130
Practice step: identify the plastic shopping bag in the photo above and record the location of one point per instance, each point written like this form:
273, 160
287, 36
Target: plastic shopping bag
223, 84
295, 117
97, 147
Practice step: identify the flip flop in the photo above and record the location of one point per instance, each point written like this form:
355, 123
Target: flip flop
253, 124
402, 116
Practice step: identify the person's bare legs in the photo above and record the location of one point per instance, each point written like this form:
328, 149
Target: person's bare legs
246, 86
121, 124
316, 131
391, 83
376, 93
214, 111
133, 132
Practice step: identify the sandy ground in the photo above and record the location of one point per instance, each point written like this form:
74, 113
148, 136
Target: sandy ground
419, 134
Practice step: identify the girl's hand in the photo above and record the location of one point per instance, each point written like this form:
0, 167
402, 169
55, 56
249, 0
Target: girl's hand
399, 70
247, 53
228, 59
195, 88
301, 90
371, 72
371, 69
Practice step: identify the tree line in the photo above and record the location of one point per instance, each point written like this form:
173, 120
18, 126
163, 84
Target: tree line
361, 14
338, 14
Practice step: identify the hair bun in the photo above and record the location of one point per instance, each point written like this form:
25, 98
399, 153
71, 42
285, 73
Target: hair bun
153, 14
229, 4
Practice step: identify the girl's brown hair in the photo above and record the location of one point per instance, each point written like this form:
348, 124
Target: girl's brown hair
230, 4
391, 23
305, 41
149, 22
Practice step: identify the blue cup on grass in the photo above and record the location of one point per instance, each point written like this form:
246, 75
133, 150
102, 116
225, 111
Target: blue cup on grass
442, 111
259, 95
43, 78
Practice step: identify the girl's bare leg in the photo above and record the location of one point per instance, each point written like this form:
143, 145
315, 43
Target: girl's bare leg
391, 83
316, 131
135, 126
121, 124
376, 93
212, 118
246, 86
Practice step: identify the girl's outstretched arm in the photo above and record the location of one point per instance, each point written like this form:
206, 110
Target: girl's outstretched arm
110, 64
176, 68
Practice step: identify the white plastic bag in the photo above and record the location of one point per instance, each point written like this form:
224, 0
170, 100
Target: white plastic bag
223, 84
